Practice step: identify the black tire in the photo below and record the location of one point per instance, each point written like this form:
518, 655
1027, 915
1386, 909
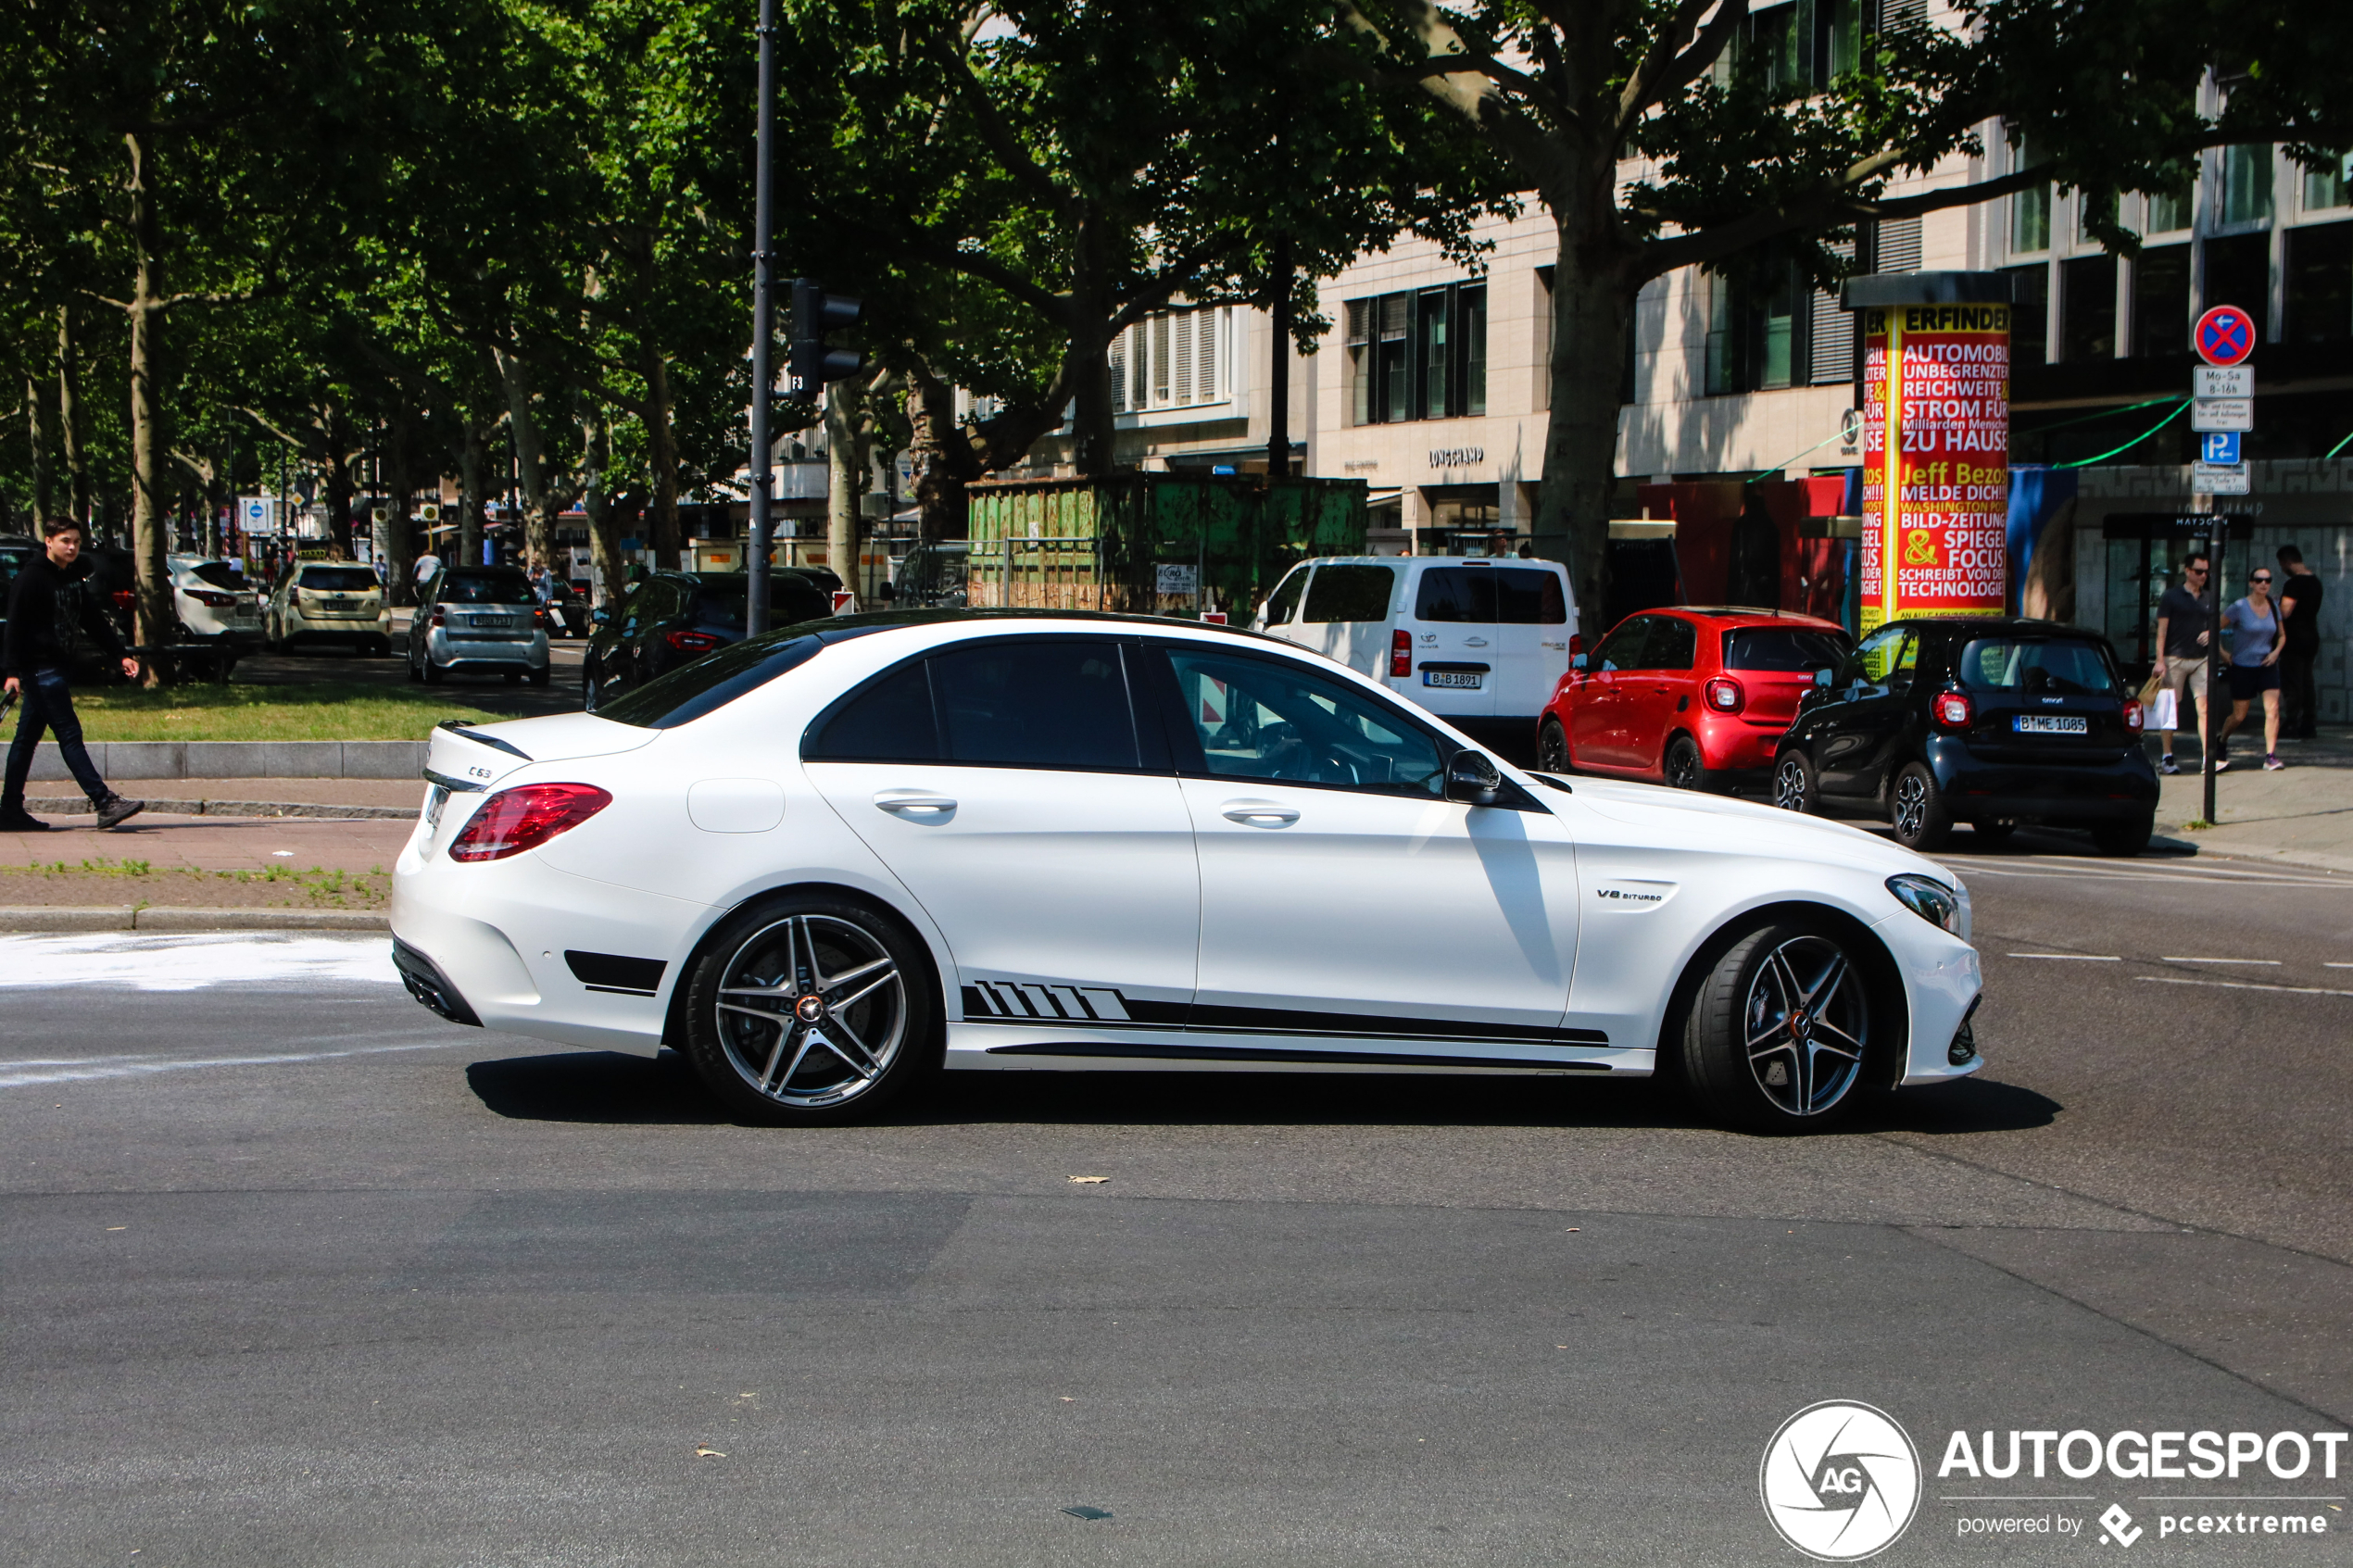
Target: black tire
1993, 833
2123, 838
433, 672
1778, 1037
540, 677
794, 1072
409, 663
1551, 748
1682, 767
1796, 787
1915, 806
514, 677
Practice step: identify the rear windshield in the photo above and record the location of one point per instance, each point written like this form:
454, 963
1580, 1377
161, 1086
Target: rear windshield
1790, 649
219, 573
1350, 593
2057, 666
723, 604
474, 588
712, 681
334, 579
1487, 595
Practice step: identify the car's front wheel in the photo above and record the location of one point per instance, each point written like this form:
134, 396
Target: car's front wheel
1795, 788
1552, 747
1778, 1030
810, 1010
1915, 806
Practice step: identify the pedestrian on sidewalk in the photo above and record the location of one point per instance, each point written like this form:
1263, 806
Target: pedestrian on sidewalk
2184, 626
2301, 613
427, 564
49, 609
2256, 644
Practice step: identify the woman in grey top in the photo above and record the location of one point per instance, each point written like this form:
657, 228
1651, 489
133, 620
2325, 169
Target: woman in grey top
2253, 625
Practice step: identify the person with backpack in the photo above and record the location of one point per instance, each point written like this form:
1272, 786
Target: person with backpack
49, 609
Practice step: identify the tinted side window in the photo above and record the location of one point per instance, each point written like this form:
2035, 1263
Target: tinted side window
1622, 649
1034, 705
1286, 599
1674, 643
724, 606
1887, 653
1260, 719
1530, 599
1350, 593
1784, 649
890, 720
1457, 593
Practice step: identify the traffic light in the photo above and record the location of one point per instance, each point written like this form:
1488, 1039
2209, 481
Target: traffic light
815, 312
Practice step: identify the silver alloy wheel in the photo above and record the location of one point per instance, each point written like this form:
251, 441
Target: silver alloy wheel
1911, 806
1804, 1024
811, 1011
1789, 785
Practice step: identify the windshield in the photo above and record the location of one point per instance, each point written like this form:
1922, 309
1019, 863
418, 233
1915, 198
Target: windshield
1792, 649
339, 579
2054, 665
479, 588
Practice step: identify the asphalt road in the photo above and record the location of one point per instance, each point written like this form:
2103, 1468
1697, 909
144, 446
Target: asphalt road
291, 1273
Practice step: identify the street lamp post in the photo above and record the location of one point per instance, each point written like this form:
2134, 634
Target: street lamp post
763, 321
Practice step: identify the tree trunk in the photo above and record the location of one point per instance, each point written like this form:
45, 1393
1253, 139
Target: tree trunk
1094, 447
940, 486
604, 528
538, 517
1592, 310
661, 450
1278, 367
38, 435
471, 458
338, 436
69, 425
152, 621
397, 543
844, 470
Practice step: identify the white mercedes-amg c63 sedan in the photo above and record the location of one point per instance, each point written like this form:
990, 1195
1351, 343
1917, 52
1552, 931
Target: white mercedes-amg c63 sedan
825, 862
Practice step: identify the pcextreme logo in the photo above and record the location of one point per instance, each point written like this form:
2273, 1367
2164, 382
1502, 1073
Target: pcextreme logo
1841, 1481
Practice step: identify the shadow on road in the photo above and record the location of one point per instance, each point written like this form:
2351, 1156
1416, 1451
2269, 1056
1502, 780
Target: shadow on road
614, 1088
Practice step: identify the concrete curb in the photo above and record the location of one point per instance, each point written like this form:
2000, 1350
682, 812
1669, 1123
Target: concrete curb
25, 919
122, 760
79, 805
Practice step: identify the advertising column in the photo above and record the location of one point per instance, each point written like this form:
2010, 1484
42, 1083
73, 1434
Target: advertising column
1936, 410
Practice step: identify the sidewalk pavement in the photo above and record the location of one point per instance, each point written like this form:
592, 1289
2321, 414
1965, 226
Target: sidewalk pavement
169, 841
2302, 815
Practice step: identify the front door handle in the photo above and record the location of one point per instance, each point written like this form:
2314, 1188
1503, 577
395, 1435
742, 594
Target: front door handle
1260, 813
914, 802
1474, 642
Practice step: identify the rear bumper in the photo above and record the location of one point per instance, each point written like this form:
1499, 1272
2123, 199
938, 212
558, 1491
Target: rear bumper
2125, 789
511, 652
1732, 745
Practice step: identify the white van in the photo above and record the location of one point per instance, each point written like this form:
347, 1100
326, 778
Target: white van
1480, 642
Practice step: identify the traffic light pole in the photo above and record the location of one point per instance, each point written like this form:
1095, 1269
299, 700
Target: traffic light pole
764, 333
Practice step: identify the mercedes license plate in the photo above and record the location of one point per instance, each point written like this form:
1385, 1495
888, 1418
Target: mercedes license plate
1467, 678
434, 801
2052, 724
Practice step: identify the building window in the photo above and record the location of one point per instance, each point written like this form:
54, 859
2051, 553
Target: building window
1799, 45
2169, 210
2161, 301
1757, 321
1175, 360
2029, 210
2087, 308
2329, 187
2320, 284
2238, 271
1418, 356
2030, 315
2246, 184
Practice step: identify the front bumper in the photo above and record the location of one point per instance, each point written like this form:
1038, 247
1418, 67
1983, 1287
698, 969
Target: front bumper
1942, 982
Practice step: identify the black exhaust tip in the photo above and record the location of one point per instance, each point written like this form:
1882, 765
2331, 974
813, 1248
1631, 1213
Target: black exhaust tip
429, 986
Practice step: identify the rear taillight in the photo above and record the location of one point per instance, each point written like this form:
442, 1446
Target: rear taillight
515, 820
2134, 718
205, 596
692, 642
1401, 654
1953, 710
1724, 695
440, 616
124, 598
1576, 647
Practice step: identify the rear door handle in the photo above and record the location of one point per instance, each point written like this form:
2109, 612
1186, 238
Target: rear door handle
914, 802
1260, 813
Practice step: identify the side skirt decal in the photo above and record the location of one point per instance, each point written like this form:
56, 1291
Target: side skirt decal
1092, 1007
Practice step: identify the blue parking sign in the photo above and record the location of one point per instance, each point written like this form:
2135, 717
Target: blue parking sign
2218, 446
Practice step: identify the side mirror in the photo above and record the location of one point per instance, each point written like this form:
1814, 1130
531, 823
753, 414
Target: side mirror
1472, 779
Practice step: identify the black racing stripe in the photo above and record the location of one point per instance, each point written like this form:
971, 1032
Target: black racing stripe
1285, 1021
1232, 1053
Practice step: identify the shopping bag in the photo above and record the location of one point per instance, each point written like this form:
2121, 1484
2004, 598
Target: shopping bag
2150, 687
2163, 711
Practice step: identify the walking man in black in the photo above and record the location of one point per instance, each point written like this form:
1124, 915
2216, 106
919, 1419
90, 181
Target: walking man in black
49, 608
2300, 605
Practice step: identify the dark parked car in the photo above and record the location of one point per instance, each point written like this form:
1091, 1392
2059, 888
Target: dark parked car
672, 618
1981, 720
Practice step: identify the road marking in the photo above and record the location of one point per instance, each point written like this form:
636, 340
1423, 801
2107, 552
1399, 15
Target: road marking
2053, 866
2176, 958
2244, 985
2334, 965
193, 960
2071, 958
140, 1067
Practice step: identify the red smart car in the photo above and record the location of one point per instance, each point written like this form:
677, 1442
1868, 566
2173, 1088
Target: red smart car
1695, 699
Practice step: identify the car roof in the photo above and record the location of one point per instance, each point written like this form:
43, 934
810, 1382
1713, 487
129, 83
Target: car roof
1735, 616
2015, 625
1428, 560
1088, 620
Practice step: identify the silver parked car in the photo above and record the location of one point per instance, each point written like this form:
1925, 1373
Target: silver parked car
479, 618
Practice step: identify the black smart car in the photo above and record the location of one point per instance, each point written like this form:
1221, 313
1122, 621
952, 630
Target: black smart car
1987, 721
670, 617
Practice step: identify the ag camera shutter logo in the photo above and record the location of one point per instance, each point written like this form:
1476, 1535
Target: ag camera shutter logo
1841, 1481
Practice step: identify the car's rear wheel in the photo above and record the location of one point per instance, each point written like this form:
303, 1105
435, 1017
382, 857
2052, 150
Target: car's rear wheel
810, 1010
1795, 786
2123, 838
1552, 747
1683, 767
1779, 1031
1915, 806
433, 672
